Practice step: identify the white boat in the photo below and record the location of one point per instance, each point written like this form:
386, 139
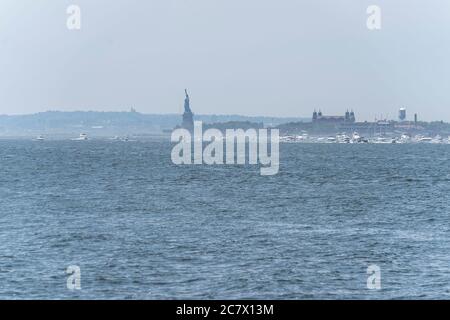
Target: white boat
404, 139
437, 139
343, 138
383, 140
82, 137
117, 138
40, 138
356, 138
425, 139
287, 139
331, 139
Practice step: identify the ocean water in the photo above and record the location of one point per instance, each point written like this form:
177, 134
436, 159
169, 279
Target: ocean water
140, 227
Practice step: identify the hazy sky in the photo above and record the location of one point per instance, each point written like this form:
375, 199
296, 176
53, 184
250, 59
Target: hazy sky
249, 57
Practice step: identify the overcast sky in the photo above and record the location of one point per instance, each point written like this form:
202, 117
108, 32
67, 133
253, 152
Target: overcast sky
249, 57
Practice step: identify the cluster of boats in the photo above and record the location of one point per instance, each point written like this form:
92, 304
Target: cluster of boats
84, 137
339, 138
357, 138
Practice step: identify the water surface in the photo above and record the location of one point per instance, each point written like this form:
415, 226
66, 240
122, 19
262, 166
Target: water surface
140, 227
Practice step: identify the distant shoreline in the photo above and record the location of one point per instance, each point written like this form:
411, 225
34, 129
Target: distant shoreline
90, 112
110, 123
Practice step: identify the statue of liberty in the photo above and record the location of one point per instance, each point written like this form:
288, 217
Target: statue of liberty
188, 116
187, 107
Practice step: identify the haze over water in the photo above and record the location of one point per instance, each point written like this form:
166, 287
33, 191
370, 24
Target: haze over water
140, 227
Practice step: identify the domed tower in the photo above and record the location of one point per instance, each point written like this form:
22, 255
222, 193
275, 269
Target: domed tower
402, 114
352, 117
347, 116
314, 118
320, 113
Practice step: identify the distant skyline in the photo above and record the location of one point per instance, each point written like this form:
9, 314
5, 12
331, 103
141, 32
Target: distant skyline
253, 58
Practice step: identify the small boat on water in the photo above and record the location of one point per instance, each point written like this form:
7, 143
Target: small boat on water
117, 138
437, 139
357, 138
383, 140
40, 138
425, 139
82, 137
291, 138
343, 138
288, 139
404, 138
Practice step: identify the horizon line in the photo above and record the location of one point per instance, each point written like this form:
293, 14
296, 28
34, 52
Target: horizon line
156, 114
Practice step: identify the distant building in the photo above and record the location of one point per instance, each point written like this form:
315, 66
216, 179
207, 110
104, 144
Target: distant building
402, 114
188, 116
319, 118
371, 128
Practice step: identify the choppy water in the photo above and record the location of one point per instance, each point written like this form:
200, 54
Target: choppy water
140, 227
